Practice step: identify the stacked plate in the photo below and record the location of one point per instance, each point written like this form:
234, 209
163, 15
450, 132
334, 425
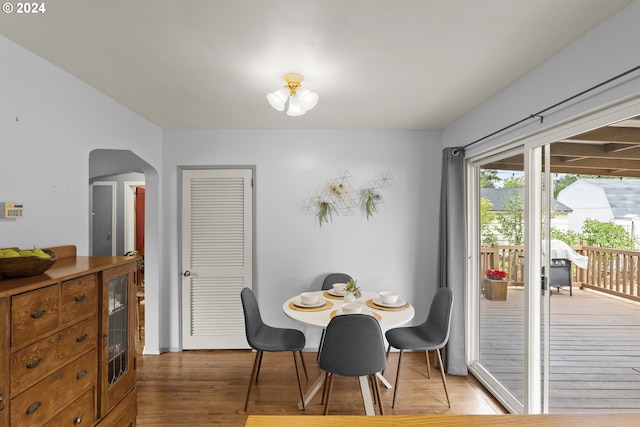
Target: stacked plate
319, 303
398, 303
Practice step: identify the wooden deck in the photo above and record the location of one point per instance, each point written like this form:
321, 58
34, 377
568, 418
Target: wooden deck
595, 350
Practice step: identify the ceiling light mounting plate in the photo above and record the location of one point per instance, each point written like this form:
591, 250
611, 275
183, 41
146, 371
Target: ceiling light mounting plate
293, 81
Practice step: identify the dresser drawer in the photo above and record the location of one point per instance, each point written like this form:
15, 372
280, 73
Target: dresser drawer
41, 403
79, 298
34, 313
31, 364
81, 412
123, 415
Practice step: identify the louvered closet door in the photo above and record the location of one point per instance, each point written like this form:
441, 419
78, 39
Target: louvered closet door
216, 256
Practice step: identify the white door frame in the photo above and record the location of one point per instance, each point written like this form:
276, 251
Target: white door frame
534, 400
130, 214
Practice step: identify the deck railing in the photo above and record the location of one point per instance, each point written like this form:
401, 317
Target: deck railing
613, 271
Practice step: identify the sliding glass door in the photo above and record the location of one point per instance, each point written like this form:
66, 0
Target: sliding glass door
552, 328
510, 228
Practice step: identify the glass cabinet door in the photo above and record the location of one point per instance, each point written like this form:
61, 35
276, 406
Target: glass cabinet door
118, 327
116, 365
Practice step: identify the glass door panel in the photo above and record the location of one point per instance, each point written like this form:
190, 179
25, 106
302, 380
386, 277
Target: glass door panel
501, 348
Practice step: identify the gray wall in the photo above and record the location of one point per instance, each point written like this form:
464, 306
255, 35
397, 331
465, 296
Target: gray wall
396, 248
50, 122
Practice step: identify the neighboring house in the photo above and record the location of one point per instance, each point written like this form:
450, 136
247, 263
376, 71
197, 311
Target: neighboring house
616, 200
500, 196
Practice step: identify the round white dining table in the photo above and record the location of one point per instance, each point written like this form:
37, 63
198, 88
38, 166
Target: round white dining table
388, 317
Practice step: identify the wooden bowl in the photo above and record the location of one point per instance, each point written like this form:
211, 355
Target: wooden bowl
24, 266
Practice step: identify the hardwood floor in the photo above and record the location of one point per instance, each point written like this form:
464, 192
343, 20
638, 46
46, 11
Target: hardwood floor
198, 388
203, 388
593, 337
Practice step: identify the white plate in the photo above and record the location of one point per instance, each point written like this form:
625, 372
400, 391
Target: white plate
398, 303
336, 294
299, 303
364, 311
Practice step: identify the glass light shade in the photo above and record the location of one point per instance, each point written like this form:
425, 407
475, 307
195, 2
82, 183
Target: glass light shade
278, 98
308, 99
295, 107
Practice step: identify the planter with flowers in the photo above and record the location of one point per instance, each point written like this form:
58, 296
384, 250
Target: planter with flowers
495, 285
353, 291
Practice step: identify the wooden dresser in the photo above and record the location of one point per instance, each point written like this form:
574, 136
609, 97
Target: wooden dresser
67, 350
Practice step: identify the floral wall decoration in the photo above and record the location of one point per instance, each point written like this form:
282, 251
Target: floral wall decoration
339, 197
371, 195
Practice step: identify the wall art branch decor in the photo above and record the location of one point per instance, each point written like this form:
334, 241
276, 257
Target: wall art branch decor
371, 196
339, 197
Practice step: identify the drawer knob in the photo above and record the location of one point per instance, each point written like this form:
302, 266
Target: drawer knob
77, 420
38, 314
82, 338
34, 363
80, 298
33, 407
81, 374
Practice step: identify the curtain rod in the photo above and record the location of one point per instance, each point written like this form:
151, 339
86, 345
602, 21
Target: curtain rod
539, 115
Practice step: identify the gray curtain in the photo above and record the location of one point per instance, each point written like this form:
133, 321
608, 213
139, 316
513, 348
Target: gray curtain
451, 253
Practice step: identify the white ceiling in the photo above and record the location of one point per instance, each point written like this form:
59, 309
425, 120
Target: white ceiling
376, 64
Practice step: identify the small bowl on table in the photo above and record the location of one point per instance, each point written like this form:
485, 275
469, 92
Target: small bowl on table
309, 298
351, 308
388, 297
25, 266
339, 288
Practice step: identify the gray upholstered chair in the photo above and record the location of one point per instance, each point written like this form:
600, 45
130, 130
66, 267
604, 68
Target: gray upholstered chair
433, 334
328, 282
353, 347
262, 337
333, 278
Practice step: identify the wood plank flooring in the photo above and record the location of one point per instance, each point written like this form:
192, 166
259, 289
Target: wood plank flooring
595, 350
595, 367
198, 388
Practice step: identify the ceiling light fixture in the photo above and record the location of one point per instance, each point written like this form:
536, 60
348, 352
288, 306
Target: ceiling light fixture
301, 99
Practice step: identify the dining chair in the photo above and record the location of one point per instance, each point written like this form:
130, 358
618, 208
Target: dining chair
431, 335
264, 338
353, 347
334, 278
327, 284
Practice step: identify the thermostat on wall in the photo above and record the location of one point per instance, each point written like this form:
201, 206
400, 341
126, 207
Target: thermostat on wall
11, 210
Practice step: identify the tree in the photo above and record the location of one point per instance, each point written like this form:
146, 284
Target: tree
562, 182
488, 178
513, 182
511, 220
570, 237
486, 219
606, 235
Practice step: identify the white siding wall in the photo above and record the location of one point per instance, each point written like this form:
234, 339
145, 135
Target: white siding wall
587, 201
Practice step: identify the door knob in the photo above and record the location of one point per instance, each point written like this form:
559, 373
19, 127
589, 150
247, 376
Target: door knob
186, 273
